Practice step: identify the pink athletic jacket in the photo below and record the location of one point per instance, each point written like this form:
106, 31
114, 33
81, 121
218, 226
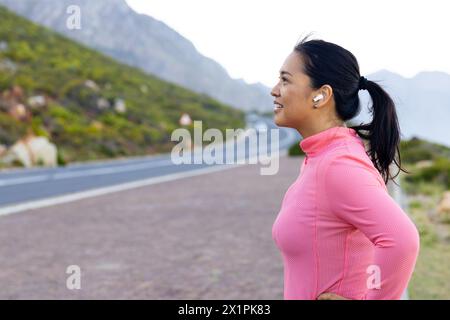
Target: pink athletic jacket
338, 229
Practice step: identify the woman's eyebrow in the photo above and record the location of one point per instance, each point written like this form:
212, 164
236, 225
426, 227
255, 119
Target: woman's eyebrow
285, 72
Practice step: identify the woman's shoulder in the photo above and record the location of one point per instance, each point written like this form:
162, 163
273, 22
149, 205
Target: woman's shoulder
347, 153
349, 162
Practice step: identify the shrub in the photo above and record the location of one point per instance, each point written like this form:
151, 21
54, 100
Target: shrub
295, 150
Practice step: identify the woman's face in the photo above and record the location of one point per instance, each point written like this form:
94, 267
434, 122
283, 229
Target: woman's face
293, 94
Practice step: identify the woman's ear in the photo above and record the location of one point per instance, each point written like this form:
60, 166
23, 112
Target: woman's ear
327, 92
322, 96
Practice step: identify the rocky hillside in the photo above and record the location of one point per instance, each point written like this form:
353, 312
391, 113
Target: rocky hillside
142, 41
86, 103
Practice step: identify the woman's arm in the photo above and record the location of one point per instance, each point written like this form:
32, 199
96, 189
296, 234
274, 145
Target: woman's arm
330, 296
355, 195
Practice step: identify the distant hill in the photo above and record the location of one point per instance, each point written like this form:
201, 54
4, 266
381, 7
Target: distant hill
88, 104
113, 28
423, 101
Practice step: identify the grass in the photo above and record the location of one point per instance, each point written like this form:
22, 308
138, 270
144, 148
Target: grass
431, 277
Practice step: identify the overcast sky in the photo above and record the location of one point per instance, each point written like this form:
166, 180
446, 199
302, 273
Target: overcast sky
251, 38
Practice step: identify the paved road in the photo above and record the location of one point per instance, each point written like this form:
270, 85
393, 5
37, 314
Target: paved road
20, 186
203, 237
181, 239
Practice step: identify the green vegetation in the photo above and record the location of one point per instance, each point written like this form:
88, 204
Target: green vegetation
428, 164
81, 87
415, 149
295, 150
429, 167
431, 275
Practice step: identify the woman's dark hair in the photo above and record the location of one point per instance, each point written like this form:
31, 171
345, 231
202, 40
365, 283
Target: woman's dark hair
328, 63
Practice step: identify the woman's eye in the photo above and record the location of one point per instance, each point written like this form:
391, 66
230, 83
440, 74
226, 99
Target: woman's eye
283, 79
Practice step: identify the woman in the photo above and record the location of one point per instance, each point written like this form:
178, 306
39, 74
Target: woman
340, 234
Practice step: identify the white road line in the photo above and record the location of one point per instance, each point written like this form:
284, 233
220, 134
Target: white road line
106, 190
83, 173
102, 171
22, 180
120, 187
107, 170
110, 170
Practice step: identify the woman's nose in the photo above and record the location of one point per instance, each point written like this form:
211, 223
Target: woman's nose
274, 92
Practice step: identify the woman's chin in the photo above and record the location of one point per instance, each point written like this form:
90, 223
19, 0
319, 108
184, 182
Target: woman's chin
278, 119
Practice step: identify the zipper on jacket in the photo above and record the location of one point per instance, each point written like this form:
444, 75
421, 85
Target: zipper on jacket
306, 159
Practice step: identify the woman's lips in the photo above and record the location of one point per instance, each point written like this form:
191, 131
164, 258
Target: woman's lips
277, 107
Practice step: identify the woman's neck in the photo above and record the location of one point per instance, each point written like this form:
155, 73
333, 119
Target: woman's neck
307, 132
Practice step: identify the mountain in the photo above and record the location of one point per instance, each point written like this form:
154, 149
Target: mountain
113, 28
88, 104
423, 103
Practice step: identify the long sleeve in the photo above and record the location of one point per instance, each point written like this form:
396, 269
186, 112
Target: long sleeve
356, 196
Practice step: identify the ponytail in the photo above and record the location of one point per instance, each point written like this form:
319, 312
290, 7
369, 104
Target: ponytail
383, 132
327, 63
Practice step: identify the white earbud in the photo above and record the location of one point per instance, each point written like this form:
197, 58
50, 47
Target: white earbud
318, 97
